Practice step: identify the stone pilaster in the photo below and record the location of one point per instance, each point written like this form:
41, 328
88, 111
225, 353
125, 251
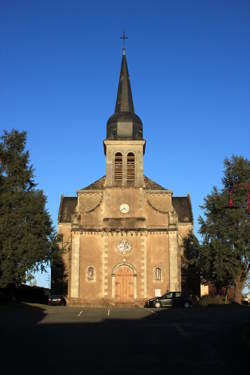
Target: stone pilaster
75, 265
173, 261
105, 267
143, 269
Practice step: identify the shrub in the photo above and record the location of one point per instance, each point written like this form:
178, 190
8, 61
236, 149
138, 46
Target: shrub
211, 300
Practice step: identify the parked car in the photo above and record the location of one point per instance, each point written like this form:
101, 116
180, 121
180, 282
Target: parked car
56, 300
177, 299
245, 300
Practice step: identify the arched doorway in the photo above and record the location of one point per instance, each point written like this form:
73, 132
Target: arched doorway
124, 284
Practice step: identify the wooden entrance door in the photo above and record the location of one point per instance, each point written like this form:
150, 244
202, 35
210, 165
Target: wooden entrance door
124, 284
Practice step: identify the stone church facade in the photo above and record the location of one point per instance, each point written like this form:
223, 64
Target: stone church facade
123, 234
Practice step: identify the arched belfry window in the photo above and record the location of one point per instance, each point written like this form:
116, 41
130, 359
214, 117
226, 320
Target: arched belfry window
130, 168
118, 167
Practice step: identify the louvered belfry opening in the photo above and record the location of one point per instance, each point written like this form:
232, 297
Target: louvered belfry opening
118, 168
130, 168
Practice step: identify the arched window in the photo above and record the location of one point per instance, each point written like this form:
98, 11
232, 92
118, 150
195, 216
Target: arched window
130, 168
90, 274
118, 167
157, 274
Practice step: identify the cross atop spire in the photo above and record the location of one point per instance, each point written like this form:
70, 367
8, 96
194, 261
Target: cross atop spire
123, 37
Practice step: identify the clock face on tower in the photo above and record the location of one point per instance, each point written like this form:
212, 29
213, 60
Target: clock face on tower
124, 208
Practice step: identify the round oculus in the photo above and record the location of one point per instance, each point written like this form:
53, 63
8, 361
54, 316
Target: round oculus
124, 208
124, 247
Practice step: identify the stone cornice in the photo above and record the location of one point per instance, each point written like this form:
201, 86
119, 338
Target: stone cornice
154, 191
124, 230
125, 142
89, 191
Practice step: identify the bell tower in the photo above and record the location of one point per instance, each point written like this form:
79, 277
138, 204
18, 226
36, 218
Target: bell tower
124, 145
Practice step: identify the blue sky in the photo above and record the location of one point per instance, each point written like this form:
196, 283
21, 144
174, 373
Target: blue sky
189, 65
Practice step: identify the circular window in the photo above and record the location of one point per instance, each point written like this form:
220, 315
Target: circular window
124, 247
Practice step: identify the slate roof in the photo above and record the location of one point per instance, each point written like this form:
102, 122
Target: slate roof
183, 208
124, 100
99, 184
66, 209
152, 185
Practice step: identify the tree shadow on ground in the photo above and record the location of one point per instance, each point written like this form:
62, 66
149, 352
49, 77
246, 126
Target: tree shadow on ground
193, 340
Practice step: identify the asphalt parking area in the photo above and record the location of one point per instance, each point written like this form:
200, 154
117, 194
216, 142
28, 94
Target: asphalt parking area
60, 314
121, 340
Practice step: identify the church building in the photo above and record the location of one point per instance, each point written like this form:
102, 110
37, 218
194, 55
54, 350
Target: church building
123, 234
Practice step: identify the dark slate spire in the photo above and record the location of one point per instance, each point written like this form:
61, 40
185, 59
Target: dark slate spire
124, 123
124, 101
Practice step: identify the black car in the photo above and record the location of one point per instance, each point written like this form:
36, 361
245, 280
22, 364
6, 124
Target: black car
177, 299
56, 300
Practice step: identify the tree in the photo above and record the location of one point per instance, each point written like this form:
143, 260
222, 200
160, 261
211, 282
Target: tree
59, 276
225, 251
26, 233
191, 266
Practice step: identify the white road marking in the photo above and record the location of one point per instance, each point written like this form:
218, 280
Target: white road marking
80, 313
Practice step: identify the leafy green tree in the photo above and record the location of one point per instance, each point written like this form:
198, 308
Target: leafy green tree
59, 276
225, 251
191, 266
26, 233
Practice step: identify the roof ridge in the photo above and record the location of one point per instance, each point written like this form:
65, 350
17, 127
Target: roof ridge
154, 183
95, 184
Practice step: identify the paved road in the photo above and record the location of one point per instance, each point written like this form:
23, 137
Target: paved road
120, 341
